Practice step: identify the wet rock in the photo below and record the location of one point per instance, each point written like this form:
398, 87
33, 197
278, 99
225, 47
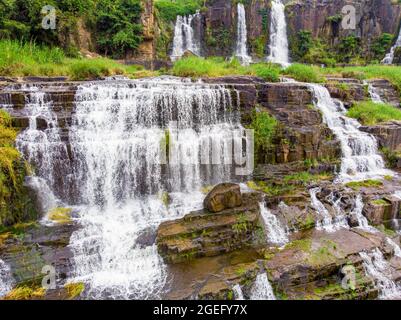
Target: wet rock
201, 234
223, 196
147, 237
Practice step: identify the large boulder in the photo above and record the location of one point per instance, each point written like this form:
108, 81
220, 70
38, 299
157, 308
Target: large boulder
223, 196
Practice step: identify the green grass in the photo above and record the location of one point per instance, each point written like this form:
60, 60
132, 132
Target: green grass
380, 202
370, 113
196, 67
19, 59
304, 73
391, 73
356, 185
306, 177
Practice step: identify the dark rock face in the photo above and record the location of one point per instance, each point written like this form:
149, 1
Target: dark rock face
221, 27
373, 17
37, 247
388, 134
223, 196
201, 233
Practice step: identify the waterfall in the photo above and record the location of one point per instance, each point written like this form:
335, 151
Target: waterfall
41, 142
395, 246
362, 221
388, 59
6, 279
326, 223
262, 289
360, 157
278, 35
185, 38
119, 170
275, 232
373, 93
241, 51
238, 292
378, 268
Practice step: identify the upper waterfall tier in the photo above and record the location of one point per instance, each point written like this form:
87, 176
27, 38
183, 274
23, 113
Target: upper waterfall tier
241, 51
278, 35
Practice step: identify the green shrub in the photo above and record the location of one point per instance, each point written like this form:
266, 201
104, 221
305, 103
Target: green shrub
370, 113
170, 9
267, 72
264, 126
304, 73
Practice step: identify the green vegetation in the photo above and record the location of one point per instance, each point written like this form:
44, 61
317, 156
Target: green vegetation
264, 126
60, 215
25, 293
381, 45
74, 289
170, 9
15, 205
356, 185
305, 177
380, 202
23, 59
115, 24
217, 67
304, 73
391, 158
370, 113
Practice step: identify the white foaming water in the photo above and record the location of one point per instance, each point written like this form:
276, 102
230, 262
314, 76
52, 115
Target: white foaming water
241, 51
377, 267
362, 221
278, 35
238, 292
276, 234
373, 93
6, 279
389, 58
262, 289
395, 246
326, 223
117, 139
44, 195
184, 37
360, 157
43, 147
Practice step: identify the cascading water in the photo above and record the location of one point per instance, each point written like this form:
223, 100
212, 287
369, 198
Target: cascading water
378, 268
262, 289
373, 93
278, 35
185, 38
389, 58
362, 221
6, 279
241, 51
360, 157
42, 145
118, 143
326, 223
238, 292
275, 232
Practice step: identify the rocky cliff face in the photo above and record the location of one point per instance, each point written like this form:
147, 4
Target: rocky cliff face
373, 17
221, 27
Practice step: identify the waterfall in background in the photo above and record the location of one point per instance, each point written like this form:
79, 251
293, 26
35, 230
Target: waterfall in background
373, 93
6, 279
378, 268
276, 234
388, 59
262, 289
185, 38
278, 35
238, 295
241, 51
360, 157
